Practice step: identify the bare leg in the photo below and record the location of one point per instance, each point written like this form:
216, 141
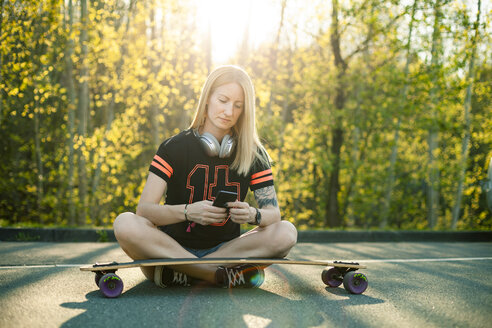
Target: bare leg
275, 241
141, 239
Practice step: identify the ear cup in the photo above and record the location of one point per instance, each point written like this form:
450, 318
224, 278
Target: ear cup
210, 144
226, 146
213, 148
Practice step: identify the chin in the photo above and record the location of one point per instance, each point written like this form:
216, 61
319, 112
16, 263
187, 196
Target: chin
225, 126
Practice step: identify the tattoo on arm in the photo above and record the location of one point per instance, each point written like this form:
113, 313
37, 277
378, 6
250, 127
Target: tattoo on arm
266, 197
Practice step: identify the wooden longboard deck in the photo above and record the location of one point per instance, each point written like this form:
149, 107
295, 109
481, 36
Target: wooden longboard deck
183, 261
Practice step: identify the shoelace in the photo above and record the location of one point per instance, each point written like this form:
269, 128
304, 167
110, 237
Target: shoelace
180, 278
235, 277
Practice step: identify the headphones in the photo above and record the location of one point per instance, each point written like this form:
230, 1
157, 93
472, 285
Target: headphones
213, 148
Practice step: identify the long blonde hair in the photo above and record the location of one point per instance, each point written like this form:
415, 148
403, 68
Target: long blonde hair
248, 145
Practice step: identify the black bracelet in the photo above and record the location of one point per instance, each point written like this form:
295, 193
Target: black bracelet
257, 217
186, 213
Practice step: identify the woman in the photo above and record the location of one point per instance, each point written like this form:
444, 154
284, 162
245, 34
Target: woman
220, 151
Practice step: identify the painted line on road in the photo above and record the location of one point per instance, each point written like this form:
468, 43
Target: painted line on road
39, 266
450, 259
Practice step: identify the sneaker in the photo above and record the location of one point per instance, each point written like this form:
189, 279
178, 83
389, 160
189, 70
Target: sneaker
165, 277
245, 275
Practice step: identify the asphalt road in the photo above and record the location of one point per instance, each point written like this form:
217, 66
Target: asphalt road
410, 285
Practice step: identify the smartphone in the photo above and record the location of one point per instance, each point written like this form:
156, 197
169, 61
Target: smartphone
224, 197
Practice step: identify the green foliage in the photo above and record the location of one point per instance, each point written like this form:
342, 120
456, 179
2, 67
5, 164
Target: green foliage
103, 236
147, 61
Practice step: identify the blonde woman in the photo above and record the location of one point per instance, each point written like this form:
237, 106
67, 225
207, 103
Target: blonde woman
220, 151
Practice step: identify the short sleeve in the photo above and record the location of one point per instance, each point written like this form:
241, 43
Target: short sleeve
161, 164
261, 174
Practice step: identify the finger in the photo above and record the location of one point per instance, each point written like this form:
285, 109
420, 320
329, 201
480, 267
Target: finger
239, 220
211, 220
216, 215
234, 204
220, 215
239, 211
215, 209
239, 214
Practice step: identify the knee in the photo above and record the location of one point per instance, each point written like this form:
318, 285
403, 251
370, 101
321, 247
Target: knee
284, 237
125, 227
289, 232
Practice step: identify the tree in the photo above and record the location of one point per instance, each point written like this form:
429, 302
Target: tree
401, 104
83, 110
467, 113
433, 165
71, 113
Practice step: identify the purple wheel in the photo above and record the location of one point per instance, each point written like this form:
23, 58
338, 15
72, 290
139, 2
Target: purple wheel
99, 275
331, 277
355, 282
111, 285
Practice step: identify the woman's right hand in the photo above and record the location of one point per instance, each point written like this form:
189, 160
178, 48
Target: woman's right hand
204, 213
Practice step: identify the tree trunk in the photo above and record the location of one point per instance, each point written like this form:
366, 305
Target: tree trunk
1, 61
71, 118
467, 114
83, 109
94, 204
357, 153
433, 139
208, 47
332, 215
39, 159
394, 149
154, 108
243, 55
274, 57
285, 109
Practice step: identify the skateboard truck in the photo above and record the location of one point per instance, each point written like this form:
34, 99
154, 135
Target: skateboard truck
104, 264
344, 270
107, 275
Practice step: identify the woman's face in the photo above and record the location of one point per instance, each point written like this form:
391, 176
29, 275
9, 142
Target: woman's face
225, 106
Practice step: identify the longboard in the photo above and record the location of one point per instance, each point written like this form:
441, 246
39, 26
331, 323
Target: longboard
335, 273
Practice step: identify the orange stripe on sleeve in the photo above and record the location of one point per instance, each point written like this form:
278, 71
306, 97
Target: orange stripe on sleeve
260, 180
162, 169
164, 163
262, 173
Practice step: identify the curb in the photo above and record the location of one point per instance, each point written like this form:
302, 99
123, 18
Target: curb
309, 236
56, 235
394, 236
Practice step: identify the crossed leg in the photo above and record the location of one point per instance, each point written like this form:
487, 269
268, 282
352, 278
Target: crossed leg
141, 239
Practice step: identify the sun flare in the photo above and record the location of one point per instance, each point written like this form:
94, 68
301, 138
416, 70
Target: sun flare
228, 20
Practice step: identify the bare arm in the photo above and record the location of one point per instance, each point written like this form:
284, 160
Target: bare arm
266, 198
148, 206
155, 188
268, 205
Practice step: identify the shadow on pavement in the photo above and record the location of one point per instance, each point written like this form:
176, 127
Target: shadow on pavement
206, 306
36, 275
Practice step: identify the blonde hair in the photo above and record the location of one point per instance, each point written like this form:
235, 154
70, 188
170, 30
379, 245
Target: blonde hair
248, 145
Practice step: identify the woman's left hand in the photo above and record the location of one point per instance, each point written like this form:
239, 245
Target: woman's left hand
241, 212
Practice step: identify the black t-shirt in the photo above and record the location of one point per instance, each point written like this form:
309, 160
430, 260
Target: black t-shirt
193, 176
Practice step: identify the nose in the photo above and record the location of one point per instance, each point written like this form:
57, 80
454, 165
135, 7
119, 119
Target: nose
228, 109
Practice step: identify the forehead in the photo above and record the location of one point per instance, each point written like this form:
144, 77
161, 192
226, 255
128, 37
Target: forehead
232, 90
